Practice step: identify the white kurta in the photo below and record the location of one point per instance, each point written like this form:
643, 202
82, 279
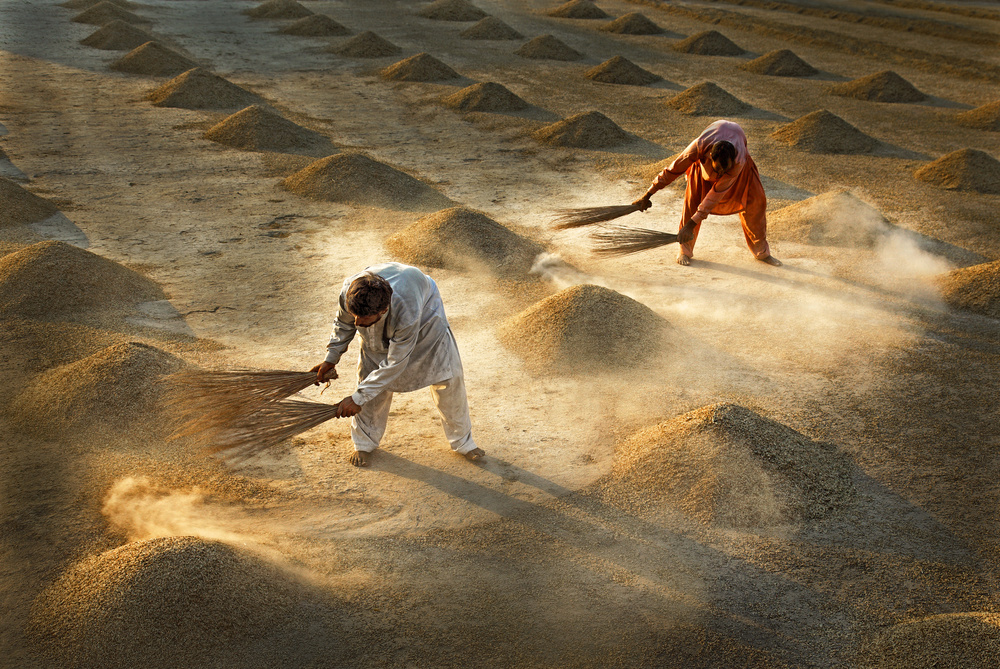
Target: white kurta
410, 347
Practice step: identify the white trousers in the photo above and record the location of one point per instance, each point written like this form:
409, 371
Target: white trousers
368, 426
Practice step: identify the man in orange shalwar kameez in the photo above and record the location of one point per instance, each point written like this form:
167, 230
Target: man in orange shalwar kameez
721, 179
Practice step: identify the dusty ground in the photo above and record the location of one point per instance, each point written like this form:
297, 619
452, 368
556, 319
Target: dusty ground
517, 561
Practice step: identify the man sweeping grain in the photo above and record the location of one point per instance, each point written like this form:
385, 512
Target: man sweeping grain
406, 344
721, 179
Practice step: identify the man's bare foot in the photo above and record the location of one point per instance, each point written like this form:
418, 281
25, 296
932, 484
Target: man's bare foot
475, 454
360, 458
683, 259
771, 260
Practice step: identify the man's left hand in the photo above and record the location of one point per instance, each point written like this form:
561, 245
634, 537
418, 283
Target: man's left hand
348, 407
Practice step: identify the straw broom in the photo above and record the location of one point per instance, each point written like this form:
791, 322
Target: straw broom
268, 427
567, 219
619, 240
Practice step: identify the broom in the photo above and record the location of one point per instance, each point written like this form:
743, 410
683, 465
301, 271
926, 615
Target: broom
619, 240
268, 427
567, 219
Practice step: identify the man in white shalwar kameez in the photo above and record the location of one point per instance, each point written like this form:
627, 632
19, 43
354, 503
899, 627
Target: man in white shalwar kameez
406, 344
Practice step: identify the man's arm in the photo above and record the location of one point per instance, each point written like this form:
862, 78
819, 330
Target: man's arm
343, 333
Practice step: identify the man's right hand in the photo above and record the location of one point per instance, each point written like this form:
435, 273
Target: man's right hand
643, 203
325, 371
686, 233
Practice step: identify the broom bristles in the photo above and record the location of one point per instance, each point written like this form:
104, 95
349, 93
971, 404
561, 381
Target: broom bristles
192, 393
621, 240
268, 427
567, 219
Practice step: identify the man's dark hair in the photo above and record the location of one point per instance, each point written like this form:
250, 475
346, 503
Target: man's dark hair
368, 295
724, 154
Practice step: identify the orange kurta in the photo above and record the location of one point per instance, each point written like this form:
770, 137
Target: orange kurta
738, 191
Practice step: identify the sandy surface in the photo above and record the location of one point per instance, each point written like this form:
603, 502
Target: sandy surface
524, 559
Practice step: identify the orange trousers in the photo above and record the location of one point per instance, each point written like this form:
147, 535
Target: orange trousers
745, 197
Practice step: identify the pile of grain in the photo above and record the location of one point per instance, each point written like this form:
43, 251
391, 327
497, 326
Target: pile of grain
179, 602
578, 9
117, 36
728, 466
583, 329
707, 99
105, 12
200, 89
824, 132
114, 390
620, 70
365, 45
315, 25
257, 128
490, 28
464, 239
153, 60
10, 171
986, 117
780, 63
452, 10
958, 640
53, 279
708, 43
486, 96
421, 67
547, 47
84, 4
21, 207
975, 289
835, 218
278, 9
884, 86
355, 178
633, 23
965, 169
588, 130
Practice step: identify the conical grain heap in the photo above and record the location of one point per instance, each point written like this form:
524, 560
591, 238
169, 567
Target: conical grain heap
355, 178
485, 96
835, 218
8, 170
708, 43
573, 331
780, 63
200, 89
728, 466
421, 67
965, 169
886, 86
945, 640
707, 99
105, 12
53, 279
619, 70
589, 130
114, 390
824, 132
278, 9
547, 47
153, 60
257, 128
986, 117
633, 23
178, 602
578, 9
315, 25
490, 28
117, 36
464, 239
366, 45
452, 10
84, 4
975, 288
22, 207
